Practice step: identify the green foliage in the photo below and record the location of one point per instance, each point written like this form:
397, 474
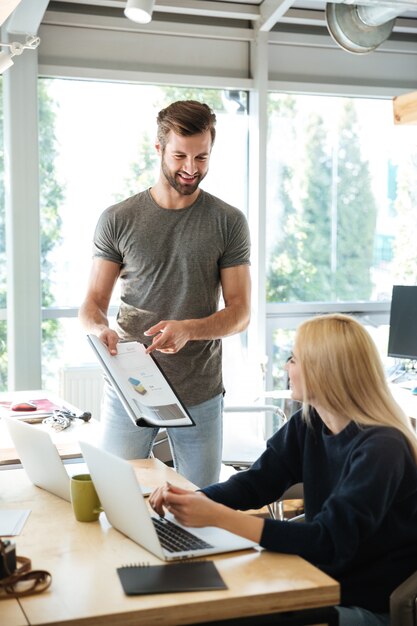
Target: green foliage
356, 213
142, 171
51, 196
3, 292
328, 222
405, 252
212, 97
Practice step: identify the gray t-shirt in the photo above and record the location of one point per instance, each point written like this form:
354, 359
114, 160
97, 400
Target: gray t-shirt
170, 263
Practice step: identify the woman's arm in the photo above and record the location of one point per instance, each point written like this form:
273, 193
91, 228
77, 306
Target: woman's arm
193, 508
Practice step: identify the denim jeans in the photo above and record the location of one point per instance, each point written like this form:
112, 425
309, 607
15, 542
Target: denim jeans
355, 616
196, 450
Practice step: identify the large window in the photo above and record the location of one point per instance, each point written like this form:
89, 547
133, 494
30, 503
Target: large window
342, 192
103, 151
3, 289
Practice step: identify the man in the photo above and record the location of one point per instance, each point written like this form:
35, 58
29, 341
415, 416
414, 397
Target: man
175, 249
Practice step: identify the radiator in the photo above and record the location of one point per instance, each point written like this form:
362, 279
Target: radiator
82, 386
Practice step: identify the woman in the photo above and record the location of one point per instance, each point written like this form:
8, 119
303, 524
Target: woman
356, 454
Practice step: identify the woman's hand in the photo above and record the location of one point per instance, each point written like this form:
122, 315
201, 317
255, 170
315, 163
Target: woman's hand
190, 508
193, 508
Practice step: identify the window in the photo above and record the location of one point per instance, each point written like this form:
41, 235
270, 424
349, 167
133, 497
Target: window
101, 147
3, 277
340, 211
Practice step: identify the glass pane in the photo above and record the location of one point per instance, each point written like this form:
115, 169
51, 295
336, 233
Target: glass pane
97, 148
3, 277
341, 200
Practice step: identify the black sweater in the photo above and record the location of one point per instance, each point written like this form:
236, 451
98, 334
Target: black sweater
360, 501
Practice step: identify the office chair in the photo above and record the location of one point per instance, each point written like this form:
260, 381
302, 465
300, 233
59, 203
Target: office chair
403, 603
241, 450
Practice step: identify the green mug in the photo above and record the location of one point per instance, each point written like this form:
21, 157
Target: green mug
84, 498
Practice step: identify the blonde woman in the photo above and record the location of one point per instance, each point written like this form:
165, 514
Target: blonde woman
356, 454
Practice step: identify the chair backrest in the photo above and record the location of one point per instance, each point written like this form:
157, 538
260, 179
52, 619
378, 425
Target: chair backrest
403, 603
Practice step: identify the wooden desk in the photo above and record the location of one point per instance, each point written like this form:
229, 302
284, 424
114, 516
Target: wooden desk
66, 440
11, 614
83, 557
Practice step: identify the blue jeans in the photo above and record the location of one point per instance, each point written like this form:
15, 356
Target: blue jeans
196, 450
355, 616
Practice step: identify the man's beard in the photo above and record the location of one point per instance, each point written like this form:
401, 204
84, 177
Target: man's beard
184, 190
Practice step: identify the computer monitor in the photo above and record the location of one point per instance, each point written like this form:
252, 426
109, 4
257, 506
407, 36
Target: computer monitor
402, 340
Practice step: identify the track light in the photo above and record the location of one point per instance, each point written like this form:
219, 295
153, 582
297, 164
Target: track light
139, 10
16, 48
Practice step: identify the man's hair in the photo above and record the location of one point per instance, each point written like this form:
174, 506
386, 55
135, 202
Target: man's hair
185, 118
341, 371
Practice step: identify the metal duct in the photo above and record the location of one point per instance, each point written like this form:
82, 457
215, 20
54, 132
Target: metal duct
359, 28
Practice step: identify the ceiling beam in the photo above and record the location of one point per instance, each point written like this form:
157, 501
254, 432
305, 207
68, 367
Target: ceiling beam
271, 13
204, 8
26, 17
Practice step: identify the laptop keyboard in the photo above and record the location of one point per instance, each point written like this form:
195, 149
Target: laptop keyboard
176, 539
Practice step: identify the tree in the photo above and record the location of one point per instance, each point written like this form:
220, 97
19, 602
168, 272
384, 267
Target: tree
357, 213
289, 271
405, 255
212, 97
3, 296
328, 220
51, 196
315, 221
142, 170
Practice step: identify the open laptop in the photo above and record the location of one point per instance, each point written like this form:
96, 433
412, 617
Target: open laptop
127, 511
40, 458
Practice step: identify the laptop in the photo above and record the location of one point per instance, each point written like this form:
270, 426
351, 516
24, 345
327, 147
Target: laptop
40, 458
127, 511
41, 461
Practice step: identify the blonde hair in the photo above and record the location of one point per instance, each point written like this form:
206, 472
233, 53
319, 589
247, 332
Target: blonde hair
342, 372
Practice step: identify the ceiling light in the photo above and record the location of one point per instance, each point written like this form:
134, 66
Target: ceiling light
16, 48
139, 10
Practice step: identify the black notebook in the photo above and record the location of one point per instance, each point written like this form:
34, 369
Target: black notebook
170, 578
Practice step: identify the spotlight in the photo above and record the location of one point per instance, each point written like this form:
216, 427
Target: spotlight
139, 10
16, 48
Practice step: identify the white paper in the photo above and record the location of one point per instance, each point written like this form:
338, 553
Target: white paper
12, 521
140, 384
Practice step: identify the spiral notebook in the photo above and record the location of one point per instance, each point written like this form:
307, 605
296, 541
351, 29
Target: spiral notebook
171, 578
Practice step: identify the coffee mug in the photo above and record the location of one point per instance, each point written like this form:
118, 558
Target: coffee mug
84, 498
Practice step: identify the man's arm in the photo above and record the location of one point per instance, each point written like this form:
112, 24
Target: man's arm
172, 335
93, 311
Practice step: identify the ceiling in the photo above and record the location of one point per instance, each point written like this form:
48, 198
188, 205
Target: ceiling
262, 15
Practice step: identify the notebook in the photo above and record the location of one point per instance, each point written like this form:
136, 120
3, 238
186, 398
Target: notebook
170, 578
40, 458
127, 511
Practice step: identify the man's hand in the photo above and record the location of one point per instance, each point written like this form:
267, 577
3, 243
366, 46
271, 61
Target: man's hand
110, 339
190, 508
169, 336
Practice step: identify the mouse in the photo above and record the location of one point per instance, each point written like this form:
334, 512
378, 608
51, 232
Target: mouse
24, 406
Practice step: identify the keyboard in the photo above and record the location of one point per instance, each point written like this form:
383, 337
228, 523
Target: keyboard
175, 539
